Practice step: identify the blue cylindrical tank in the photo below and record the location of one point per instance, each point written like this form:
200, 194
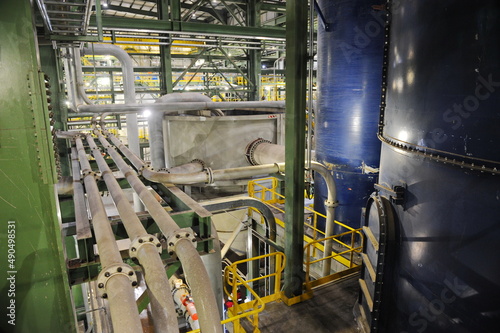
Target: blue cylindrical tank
441, 131
350, 51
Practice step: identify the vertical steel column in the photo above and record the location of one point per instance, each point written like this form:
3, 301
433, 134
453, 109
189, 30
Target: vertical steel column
165, 50
254, 56
295, 123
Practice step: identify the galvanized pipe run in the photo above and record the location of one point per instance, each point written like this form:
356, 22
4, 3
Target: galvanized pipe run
162, 305
118, 289
265, 152
180, 243
180, 106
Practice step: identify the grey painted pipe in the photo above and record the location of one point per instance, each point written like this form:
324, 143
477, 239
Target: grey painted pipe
212, 176
81, 215
162, 304
248, 202
206, 302
265, 152
205, 176
80, 90
121, 296
179, 106
128, 88
199, 282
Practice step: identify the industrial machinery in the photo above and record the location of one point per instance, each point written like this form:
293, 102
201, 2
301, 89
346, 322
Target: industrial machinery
431, 264
350, 49
104, 232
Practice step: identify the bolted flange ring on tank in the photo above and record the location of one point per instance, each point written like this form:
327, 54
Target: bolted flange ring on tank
250, 150
113, 270
173, 238
140, 241
197, 160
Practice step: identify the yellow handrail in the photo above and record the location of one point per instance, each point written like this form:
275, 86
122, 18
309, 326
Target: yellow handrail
269, 195
250, 310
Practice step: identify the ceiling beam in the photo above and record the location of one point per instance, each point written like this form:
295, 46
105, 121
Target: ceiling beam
189, 27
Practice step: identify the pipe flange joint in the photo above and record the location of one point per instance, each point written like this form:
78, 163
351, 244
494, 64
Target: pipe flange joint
331, 204
112, 270
180, 234
140, 241
95, 175
210, 175
250, 150
144, 167
197, 160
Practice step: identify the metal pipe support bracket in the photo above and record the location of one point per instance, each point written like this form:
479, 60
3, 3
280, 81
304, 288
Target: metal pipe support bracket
113, 270
140, 241
177, 235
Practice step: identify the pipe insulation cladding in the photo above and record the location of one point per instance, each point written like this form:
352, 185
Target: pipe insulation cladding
440, 130
350, 51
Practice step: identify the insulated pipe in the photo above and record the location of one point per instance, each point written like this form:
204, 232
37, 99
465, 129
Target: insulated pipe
128, 88
179, 106
162, 305
179, 242
120, 295
199, 282
81, 214
209, 177
206, 176
80, 90
70, 75
248, 202
193, 166
265, 152
155, 125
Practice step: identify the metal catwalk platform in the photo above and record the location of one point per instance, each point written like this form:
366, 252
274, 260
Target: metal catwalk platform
330, 311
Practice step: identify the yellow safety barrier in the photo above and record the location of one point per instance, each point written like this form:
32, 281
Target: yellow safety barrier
314, 247
250, 310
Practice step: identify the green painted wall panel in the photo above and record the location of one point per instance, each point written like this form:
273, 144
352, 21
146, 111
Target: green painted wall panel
27, 169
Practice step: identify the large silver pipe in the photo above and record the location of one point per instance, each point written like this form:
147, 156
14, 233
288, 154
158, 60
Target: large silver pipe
205, 176
80, 88
263, 209
162, 304
199, 282
207, 304
209, 177
180, 106
265, 152
119, 292
128, 88
129, 95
